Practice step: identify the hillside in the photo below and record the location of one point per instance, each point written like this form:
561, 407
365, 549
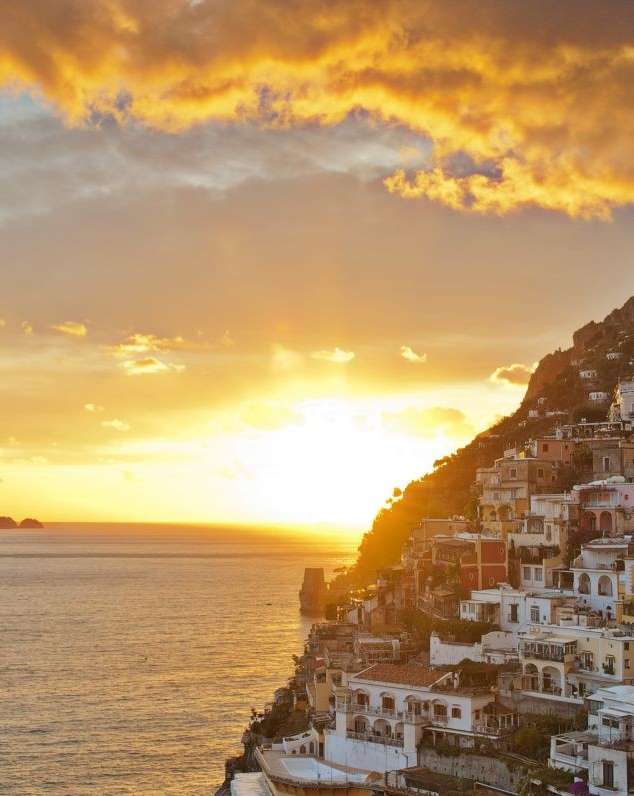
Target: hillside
557, 382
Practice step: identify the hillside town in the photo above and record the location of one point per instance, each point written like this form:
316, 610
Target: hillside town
497, 656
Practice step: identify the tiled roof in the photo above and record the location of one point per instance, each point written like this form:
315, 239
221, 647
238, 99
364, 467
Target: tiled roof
408, 674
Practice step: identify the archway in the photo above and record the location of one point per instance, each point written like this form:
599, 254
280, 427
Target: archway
551, 680
504, 513
388, 703
439, 711
584, 583
413, 706
361, 725
382, 728
605, 586
531, 677
588, 521
605, 522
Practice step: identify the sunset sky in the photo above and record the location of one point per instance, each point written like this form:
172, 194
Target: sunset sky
262, 262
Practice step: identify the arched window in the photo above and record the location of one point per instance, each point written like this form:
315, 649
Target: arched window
605, 586
302, 750
605, 522
588, 521
584, 583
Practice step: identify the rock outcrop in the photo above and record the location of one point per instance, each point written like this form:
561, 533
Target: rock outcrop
29, 522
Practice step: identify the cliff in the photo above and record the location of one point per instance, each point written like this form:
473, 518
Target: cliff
557, 382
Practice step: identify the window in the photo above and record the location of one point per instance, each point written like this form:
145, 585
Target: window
535, 613
626, 645
513, 617
539, 575
606, 464
476, 713
545, 447
608, 774
526, 573
440, 711
587, 660
540, 472
513, 472
627, 663
456, 713
388, 704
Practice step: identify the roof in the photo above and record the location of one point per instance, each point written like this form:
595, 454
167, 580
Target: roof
406, 674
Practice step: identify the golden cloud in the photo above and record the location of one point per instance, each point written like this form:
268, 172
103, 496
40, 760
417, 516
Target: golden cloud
116, 425
411, 356
428, 422
143, 343
336, 355
93, 408
516, 373
525, 104
71, 328
149, 365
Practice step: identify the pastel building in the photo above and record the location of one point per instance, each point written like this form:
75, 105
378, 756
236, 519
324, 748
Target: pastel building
567, 663
604, 753
505, 489
605, 506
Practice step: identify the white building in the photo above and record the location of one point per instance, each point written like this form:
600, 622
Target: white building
623, 406
605, 752
496, 647
598, 396
385, 710
587, 374
599, 575
514, 610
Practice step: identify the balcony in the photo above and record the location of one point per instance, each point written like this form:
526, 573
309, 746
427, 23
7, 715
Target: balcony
370, 737
549, 652
371, 710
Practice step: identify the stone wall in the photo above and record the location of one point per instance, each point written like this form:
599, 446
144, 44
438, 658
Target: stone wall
501, 772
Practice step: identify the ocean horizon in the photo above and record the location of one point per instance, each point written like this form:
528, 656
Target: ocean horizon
133, 654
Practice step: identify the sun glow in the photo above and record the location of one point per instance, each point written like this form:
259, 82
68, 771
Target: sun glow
300, 462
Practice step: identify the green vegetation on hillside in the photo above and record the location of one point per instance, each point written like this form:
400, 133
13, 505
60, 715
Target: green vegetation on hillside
447, 490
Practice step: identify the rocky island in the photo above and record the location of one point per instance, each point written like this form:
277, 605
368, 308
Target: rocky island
8, 524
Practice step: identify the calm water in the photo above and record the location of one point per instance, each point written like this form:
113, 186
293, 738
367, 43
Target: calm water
130, 658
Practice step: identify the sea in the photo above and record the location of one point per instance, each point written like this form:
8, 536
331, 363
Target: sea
131, 656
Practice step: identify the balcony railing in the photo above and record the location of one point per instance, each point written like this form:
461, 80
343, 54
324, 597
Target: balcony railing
372, 738
372, 710
546, 655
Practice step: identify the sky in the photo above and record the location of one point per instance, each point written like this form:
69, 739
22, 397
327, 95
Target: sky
265, 262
